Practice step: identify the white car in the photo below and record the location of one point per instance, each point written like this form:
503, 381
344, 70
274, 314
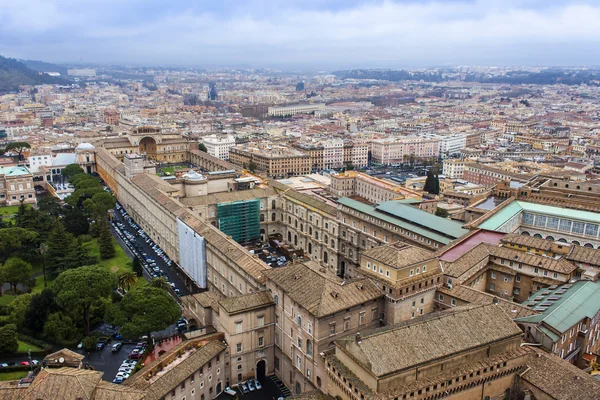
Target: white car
123, 375
230, 391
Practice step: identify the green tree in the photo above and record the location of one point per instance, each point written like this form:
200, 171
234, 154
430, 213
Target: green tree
127, 279
104, 200
89, 343
16, 241
202, 147
41, 305
71, 170
442, 212
76, 222
78, 290
9, 339
49, 205
143, 311
252, 166
29, 218
60, 328
16, 271
17, 310
105, 240
432, 183
160, 283
136, 266
18, 147
61, 245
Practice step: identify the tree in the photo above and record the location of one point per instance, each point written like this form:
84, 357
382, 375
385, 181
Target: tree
41, 305
136, 266
17, 310
252, 166
49, 205
78, 290
442, 212
16, 271
16, 241
89, 343
127, 279
29, 218
71, 170
60, 328
76, 222
18, 147
432, 183
9, 339
61, 245
202, 147
105, 240
104, 200
143, 311
160, 283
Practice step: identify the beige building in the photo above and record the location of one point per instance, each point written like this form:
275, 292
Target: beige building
279, 162
151, 142
312, 310
16, 184
370, 188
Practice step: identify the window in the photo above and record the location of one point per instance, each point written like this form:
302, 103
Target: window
518, 278
347, 323
387, 273
424, 268
412, 272
238, 327
261, 341
453, 302
309, 348
418, 271
309, 328
361, 318
299, 320
238, 347
332, 328
298, 362
493, 275
492, 287
441, 297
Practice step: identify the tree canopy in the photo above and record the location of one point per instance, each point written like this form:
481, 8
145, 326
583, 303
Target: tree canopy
15, 271
77, 290
18, 147
71, 170
202, 147
143, 311
9, 339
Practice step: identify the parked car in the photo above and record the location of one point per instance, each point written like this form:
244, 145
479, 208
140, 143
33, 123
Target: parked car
116, 347
3, 365
123, 375
257, 384
118, 380
35, 362
251, 385
101, 343
245, 388
135, 355
230, 391
25, 363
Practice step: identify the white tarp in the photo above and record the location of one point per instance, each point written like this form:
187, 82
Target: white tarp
192, 253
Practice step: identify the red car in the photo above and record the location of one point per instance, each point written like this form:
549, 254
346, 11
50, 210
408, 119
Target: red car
25, 363
135, 355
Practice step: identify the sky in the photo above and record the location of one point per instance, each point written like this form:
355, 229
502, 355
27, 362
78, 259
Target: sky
297, 34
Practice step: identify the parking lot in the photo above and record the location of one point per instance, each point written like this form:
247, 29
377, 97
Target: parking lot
269, 391
105, 360
154, 261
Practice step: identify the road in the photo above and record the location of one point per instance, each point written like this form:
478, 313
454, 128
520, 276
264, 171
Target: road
171, 274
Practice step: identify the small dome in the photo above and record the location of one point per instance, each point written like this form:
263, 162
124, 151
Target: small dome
85, 147
192, 175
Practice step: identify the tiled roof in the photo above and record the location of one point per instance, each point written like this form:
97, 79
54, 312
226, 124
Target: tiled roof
399, 255
528, 241
319, 295
226, 197
558, 379
110, 391
238, 304
477, 254
303, 198
553, 264
64, 383
585, 255
429, 339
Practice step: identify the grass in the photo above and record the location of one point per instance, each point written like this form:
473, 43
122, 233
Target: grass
12, 376
6, 299
24, 347
118, 264
171, 170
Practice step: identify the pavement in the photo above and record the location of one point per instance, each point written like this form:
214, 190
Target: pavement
269, 391
105, 360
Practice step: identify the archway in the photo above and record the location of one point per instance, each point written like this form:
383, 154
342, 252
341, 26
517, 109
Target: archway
537, 236
525, 233
549, 238
575, 242
589, 245
261, 370
148, 147
563, 240
219, 388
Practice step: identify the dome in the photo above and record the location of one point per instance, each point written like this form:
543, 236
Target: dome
85, 147
192, 175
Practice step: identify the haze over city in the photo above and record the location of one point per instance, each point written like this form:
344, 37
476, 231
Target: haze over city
294, 34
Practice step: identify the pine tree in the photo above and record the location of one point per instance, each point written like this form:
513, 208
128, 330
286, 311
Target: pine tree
61, 245
105, 240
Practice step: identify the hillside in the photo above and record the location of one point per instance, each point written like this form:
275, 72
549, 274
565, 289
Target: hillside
14, 74
44, 66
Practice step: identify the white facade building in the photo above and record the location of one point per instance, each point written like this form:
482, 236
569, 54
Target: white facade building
396, 150
218, 146
333, 153
452, 144
454, 168
37, 161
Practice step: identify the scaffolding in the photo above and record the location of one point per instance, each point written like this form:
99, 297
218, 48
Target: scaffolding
240, 219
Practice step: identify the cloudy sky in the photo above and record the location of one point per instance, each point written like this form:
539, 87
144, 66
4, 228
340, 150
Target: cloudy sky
303, 33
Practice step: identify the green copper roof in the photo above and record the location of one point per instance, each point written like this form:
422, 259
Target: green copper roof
496, 221
564, 306
418, 221
14, 171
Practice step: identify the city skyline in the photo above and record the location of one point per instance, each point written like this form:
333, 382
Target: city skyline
296, 35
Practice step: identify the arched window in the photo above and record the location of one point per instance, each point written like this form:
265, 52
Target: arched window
276, 299
309, 248
289, 236
295, 240
301, 227
325, 257
262, 217
309, 348
273, 217
310, 230
273, 204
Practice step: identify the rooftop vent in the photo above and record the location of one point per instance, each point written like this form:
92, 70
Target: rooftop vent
334, 295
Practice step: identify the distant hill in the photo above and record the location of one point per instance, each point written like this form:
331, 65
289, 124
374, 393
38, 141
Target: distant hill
44, 66
14, 74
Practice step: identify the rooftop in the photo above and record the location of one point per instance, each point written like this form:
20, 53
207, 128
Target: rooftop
246, 302
399, 255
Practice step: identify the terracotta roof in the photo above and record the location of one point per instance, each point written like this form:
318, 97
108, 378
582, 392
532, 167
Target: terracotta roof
429, 339
110, 391
560, 379
464, 263
319, 295
558, 265
474, 296
207, 299
303, 198
160, 385
225, 197
528, 241
585, 255
399, 255
238, 304
64, 383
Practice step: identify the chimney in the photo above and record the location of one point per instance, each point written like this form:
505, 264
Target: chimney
357, 338
495, 300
